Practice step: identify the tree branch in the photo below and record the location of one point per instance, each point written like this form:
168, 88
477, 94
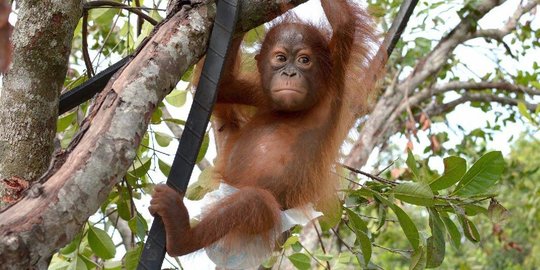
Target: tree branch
439, 56
437, 109
31, 88
510, 25
135, 10
427, 93
382, 121
505, 86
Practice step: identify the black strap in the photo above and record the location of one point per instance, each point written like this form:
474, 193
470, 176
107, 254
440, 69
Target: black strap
197, 122
398, 25
89, 88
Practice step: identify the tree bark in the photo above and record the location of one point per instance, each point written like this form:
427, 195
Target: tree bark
54, 210
31, 87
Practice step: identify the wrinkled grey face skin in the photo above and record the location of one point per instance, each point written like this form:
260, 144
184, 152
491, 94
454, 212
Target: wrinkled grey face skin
289, 69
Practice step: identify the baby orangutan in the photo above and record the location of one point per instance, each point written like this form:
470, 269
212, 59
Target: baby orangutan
307, 90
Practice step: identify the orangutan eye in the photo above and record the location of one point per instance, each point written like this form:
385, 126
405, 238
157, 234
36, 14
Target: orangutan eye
281, 58
304, 60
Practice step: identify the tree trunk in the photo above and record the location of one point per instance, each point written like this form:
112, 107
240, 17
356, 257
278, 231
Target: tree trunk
29, 98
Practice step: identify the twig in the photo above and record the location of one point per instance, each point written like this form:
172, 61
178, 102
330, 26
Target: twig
153, 149
313, 257
350, 180
374, 177
112, 4
376, 218
386, 168
342, 241
322, 244
396, 251
86, 56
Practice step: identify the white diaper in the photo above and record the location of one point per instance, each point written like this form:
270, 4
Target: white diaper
253, 251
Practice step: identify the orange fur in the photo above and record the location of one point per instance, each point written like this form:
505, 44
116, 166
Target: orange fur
281, 159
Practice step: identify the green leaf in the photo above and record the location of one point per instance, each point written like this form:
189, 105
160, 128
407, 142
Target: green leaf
131, 259
411, 163
162, 139
254, 35
365, 245
204, 184
65, 121
361, 231
187, 77
204, 148
408, 226
140, 167
454, 234
414, 193
138, 226
454, 169
332, 212
481, 176
290, 241
164, 167
268, 263
469, 230
356, 221
418, 259
89, 263
124, 209
300, 261
156, 116
175, 121
497, 213
101, 243
297, 247
72, 246
58, 264
77, 264
436, 246
112, 265
176, 98
473, 210
524, 111
382, 216
324, 257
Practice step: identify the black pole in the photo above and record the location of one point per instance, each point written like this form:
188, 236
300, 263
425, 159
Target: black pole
398, 25
89, 88
196, 124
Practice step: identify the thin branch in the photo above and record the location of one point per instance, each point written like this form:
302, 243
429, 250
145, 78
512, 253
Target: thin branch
395, 251
321, 243
509, 26
350, 180
437, 58
374, 177
343, 241
471, 86
139, 19
438, 109
86, 56
112, 4
506, 86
